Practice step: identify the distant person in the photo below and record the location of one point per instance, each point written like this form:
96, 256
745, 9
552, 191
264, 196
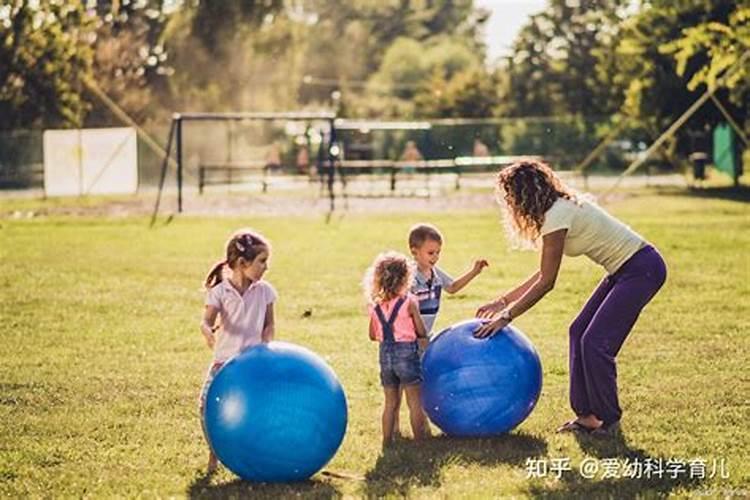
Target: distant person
273, 158
237, 294
480, 148
303, 161
541, 210
396, 324
412, 154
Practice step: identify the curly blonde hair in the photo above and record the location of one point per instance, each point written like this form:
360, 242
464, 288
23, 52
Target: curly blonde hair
389, 276
527, 189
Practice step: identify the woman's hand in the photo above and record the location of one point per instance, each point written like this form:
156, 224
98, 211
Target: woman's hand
490, 328
490, 309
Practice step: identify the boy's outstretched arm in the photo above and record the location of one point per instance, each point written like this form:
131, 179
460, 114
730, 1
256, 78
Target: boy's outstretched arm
469, 275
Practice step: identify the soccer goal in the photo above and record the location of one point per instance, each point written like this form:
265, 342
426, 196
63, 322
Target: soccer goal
225, 151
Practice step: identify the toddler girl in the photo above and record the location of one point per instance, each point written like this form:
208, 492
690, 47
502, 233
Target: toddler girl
395, 322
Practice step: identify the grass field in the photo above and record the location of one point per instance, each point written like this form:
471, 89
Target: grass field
102, 359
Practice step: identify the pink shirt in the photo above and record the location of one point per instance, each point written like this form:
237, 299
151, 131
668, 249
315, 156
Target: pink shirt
242, 316
403, 327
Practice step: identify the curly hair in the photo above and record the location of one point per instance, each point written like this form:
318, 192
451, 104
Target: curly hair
527, 189
388, 276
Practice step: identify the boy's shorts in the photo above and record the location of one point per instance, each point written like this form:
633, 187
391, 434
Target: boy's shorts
400, 364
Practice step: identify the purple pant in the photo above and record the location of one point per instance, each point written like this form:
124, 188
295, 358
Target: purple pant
601, 327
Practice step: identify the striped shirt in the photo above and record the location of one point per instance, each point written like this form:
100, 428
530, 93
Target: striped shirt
428, 290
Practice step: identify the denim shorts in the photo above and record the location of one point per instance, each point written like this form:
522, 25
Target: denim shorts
400, 364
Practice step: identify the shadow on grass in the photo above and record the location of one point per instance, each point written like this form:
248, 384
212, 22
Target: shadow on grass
731, 193
202, 487
573, 484
408, 464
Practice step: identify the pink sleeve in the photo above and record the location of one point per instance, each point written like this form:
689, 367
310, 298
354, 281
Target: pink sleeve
271, 294
213, 297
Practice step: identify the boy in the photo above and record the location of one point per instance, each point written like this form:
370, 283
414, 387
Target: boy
425, 243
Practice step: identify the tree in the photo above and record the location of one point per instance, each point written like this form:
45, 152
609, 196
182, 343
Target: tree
45, 54
215, 23
411, 68
395, 46
242, 57
721, 48
469, 94
554, 66
658, 68
130, 61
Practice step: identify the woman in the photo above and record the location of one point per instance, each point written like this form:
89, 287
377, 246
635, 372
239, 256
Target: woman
539, 206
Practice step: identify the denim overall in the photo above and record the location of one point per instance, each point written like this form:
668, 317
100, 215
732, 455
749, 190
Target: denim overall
399, 361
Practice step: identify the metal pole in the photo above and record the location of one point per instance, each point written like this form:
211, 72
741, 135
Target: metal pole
331, 165
179, 163
164, 165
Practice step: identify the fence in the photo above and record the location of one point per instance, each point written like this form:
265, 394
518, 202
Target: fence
562, 141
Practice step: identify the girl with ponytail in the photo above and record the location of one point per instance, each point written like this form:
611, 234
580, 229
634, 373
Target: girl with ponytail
237, 294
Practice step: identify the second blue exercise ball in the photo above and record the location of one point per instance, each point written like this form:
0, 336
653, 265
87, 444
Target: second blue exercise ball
275, 413
480, 387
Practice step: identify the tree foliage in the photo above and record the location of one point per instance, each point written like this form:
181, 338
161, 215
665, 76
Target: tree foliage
471, 93
659, 68
553, 69
725, 48
45, 53
595, 59
130, 61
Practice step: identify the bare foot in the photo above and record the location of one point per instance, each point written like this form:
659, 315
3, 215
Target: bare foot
213, 464
590, 422
585, 424
387, 443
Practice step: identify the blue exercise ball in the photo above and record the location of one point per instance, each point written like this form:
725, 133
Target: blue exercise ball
275, 413
480, 387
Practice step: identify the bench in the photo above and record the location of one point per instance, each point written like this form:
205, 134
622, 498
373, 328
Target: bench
393, 168
230, 172
458, 166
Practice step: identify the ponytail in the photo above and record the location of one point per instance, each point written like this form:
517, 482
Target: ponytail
246, 244
216, 274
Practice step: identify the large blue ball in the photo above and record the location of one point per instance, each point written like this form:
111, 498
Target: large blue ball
480, 387
275, 413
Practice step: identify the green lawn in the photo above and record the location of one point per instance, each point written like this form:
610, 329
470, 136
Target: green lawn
102, 359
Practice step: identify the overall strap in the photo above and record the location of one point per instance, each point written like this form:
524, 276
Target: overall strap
387, 325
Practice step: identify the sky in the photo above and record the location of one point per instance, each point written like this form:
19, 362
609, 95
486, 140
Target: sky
508, 16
